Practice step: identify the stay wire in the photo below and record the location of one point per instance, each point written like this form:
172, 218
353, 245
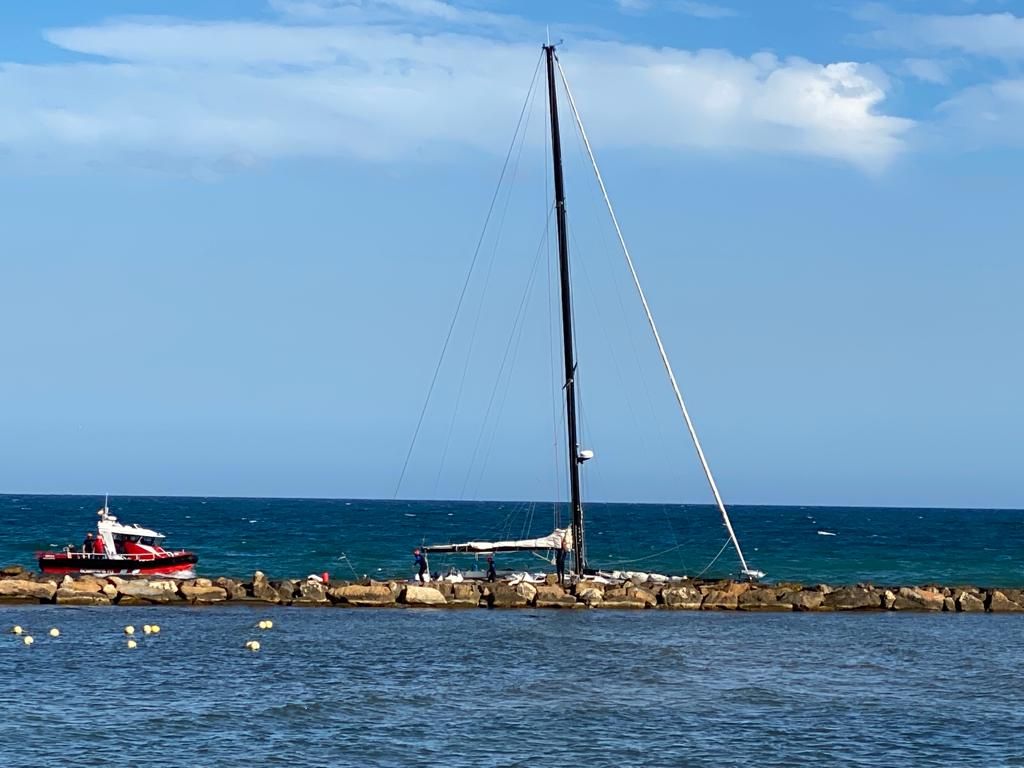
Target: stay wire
465, 284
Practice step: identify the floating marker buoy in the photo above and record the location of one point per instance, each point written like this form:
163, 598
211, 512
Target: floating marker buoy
17, 630
132, 644
54, 632
254, 645
27, 640
129, 630
155, 629
270, 624
146, 628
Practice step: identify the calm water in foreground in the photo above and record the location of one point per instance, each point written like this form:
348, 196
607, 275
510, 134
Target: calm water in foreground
337, 687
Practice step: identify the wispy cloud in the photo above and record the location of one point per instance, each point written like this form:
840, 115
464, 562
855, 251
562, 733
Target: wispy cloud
933, 71
703, 10
995, 35
988, 114
227, 92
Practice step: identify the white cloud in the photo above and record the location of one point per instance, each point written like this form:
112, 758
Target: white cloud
995, 35
226, 92
703, 10
633, 5
989, 114
929, 70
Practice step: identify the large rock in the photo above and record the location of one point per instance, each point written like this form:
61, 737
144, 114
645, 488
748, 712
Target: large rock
421, 596
234, 589
199, 593
551, 596
312, 592
589, 593
286, 590
13, 572
682, 598
717, 599
263, 590
803, 599
23, 590
648, 598
1002, 601
465, 596
852, 599
762, 599
155, 591
970, 601
89, 584
527, 590
506, 596
913, 599
358, 594
74, 597
620, 599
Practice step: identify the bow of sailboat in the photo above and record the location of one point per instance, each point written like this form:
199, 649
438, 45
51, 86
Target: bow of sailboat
567, 417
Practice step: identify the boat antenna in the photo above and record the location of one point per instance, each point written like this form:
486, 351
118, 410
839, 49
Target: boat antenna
579, 551
746, 571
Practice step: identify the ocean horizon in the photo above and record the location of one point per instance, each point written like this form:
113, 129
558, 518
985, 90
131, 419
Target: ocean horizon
292, 537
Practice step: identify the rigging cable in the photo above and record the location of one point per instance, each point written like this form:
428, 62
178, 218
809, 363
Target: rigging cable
465, 284
657, 337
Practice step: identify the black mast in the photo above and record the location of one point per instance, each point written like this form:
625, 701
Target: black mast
579, 553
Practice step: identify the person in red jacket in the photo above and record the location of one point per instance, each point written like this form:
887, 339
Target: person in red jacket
99, 546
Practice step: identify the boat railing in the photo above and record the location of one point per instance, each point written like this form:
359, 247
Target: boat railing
140, 557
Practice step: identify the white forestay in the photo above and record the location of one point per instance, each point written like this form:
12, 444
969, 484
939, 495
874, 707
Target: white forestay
657, 337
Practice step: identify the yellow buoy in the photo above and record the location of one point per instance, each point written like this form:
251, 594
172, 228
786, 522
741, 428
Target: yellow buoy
129, 630
28, 640
17, 630
54, 632
270, 624
254, 645
132, 644
155, 629
146, 628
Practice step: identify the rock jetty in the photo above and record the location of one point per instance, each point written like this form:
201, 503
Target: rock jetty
22, 587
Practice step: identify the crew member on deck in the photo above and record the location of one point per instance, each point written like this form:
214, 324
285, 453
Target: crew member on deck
88, 546
98, 546
420, 560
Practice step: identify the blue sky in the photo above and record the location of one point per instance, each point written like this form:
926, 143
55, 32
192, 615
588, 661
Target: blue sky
234, 234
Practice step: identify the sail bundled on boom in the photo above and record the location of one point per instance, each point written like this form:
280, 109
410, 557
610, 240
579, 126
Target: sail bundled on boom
560, 538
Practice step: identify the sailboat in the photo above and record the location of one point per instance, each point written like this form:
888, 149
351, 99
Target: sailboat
572, 539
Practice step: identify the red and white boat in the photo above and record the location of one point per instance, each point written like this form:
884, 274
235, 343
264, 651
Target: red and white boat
121, 550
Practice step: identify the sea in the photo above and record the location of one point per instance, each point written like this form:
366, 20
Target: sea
365, 687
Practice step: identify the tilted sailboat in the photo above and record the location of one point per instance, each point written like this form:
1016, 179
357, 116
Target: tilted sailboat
572, 540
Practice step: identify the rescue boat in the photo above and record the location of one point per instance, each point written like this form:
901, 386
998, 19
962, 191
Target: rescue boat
120, 550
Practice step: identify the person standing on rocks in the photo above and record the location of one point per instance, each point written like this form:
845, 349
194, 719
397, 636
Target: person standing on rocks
420, 559
560, 564
491, 573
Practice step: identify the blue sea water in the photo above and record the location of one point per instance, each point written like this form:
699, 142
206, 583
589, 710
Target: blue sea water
367, 687
409, 688
295, 537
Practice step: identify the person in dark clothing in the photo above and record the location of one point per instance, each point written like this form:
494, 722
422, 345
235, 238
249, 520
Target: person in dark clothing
89, 545
420, 559
560, 564
491, 573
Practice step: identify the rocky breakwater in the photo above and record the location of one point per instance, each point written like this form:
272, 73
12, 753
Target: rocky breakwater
22, 587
